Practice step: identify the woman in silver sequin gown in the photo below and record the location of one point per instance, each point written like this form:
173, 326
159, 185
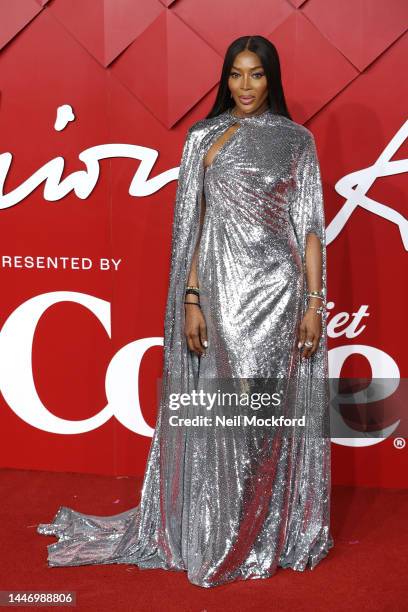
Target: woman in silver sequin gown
232, 503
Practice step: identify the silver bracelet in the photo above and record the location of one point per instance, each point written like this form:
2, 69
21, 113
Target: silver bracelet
319, 309
316, 296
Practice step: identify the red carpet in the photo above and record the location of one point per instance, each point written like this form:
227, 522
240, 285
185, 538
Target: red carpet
366, 569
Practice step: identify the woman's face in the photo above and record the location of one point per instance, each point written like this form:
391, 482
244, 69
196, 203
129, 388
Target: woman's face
247, 83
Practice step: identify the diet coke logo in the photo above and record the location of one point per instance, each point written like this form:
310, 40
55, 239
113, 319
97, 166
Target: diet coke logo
19, 391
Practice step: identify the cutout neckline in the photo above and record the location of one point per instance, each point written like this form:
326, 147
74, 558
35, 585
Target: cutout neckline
222, 147
239, 121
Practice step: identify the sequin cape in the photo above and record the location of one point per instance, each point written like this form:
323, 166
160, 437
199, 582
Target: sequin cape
179, 523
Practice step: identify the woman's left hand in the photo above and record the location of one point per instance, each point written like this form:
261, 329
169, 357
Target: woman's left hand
310, 329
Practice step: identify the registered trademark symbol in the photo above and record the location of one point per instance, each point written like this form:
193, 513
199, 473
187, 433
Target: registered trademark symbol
399, 443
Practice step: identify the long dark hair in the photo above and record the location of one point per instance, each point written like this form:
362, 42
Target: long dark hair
270, 61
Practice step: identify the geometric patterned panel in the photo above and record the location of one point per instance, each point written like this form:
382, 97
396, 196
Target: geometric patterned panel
313, 70
219, 24
168, 53
14, 16
360, 29
106, 27
170, 81
297, 3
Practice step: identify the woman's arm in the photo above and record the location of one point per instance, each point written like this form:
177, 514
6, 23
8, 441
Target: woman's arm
311, 326
195, 325
314, 266
193, 276
307, 215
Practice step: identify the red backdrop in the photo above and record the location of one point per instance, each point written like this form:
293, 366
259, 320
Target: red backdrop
80, 344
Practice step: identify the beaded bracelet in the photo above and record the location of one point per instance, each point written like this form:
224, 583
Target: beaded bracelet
193, 292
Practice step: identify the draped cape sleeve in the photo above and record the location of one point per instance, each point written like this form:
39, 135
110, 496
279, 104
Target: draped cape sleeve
182, 488
307, 205
186, 223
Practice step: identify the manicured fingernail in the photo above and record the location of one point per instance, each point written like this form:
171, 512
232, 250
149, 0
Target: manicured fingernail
299, 344
205, 343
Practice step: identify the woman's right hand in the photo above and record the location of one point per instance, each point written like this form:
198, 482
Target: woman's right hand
195, 328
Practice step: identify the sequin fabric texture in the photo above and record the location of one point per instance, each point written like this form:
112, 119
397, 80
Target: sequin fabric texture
236, 503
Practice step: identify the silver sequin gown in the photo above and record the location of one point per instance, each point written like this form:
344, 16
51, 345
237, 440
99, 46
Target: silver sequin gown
233, 503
